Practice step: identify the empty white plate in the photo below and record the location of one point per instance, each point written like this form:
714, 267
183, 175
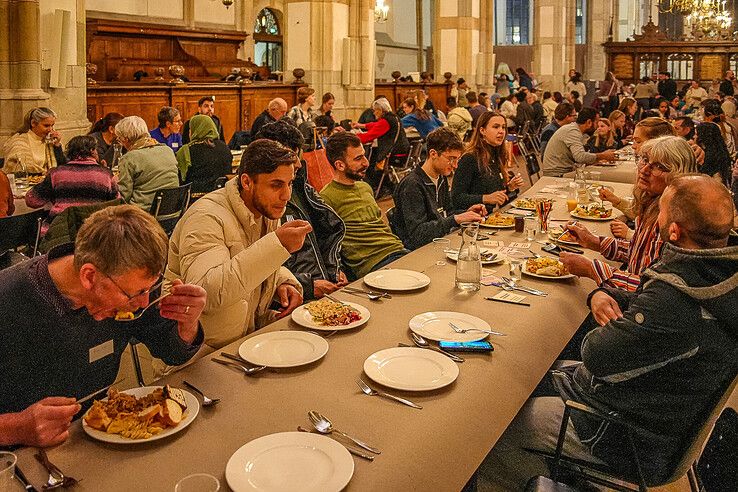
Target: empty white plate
396, 279
283, 349
290, 461
435, 326
411, 369
302, 317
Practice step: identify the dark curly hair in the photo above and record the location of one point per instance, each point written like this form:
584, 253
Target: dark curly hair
284, 133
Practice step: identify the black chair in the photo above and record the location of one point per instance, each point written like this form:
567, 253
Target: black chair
22, 231
169, 205
391, 219
220, 182
397, 167
684, 463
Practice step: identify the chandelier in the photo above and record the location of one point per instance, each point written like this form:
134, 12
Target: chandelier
709, 16
380, 11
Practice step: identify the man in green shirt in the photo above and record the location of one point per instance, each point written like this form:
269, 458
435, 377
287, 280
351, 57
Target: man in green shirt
369, 243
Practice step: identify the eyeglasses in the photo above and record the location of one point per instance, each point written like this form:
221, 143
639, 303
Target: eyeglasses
158, 284
657, 168
451, 159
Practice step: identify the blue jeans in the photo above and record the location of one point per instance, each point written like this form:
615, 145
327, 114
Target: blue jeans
390, 258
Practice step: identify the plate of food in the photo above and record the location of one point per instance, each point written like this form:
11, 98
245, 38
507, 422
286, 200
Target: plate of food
498, 221
326, 314
488, 256
35, 179
548, 268
564, 237
593, 211
526, 204
139, 415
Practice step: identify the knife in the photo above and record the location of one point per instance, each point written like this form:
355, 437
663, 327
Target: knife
350, 449
22, 477
93, 394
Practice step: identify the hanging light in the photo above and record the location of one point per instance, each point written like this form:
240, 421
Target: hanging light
709, 16
227, 3
380, 11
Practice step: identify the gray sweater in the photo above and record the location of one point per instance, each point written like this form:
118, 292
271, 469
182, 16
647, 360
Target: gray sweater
564, 150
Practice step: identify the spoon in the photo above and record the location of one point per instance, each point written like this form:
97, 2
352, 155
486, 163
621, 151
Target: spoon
350, 449
246, 370
140, 313
369, 295
325, 426
423, 343
206, 402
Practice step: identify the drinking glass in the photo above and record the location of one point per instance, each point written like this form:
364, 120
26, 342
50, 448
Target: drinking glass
531, 228
7, 471
442, 245
21, 176
198, 482
516, 264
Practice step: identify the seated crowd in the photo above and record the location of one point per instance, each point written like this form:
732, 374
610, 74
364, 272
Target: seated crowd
250, 252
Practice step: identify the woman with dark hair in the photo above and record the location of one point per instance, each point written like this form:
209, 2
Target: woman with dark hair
483, 174
419, 118
36, 146
524, 80
326, 105
717, 158
104, 132
608, 93
664, 108
575, 84
205, 158
80, 181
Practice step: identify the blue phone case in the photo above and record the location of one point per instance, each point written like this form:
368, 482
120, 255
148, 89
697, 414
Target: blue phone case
479, 346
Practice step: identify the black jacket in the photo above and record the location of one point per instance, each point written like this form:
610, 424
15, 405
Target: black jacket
470, 184
208, 164
667, 89
386, 142
421, 209
662, 364
186, 129
726, 87
320, 255
261, 120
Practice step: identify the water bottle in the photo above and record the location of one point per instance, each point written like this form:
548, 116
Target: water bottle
469, 264
117, 153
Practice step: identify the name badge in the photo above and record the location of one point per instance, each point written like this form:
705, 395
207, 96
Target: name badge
99, 351
175, 145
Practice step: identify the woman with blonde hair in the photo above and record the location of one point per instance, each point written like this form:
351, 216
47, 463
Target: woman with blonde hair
36, 146
603, 138
484, 173
661, 160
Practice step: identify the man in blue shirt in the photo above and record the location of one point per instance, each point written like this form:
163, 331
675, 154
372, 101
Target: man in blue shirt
170, 123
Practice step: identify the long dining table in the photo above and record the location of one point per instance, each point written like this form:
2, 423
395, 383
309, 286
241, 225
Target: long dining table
623, 171
436, 448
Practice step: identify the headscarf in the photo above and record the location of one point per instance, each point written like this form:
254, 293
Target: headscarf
202, 130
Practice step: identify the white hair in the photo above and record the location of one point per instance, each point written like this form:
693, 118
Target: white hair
383, 104
132, 128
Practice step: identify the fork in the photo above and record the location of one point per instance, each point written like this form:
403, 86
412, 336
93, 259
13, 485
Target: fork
368, 292
514, 286
56, 477
206, 402
246, 370
464, 330
367, 390
140, 313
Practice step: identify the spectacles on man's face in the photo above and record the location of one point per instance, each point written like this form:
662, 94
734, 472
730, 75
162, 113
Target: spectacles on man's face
656, 168
452, 159
130, 297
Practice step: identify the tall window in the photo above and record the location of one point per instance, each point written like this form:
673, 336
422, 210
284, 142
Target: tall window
648, 65
580, 21
513, 22
681, 66
267, 41
734, 62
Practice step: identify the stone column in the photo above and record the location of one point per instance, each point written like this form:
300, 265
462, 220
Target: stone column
333, 41
486, 58
599, 16
456, 38
20, 63
553, 41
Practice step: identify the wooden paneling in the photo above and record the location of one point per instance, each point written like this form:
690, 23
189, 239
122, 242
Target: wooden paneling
235, 105
119, 49
711, 67
396, 93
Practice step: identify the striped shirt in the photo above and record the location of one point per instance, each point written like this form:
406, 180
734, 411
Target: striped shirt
80, 182
639, 252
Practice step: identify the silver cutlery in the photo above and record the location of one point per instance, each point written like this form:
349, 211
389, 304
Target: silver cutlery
368, 292
350, 449
22, 478
91, 395
328, 296
423, 343
206, 402
372, 392
324, 334
465, 330
246, 370
56, 477
323, 425
140, 313
515, 286
371, 297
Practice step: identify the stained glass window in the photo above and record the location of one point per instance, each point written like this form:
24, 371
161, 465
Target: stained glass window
266, 23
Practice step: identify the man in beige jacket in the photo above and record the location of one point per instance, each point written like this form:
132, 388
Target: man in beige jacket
230, 242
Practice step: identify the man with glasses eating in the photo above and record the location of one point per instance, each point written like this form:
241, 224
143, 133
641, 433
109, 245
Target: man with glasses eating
61, 340
422, 200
